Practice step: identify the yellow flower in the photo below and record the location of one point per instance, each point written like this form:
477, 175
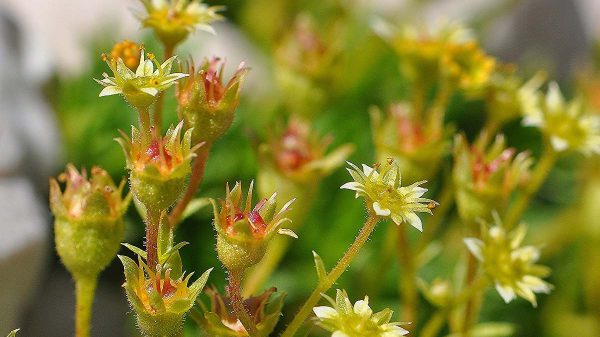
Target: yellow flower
140, 87
567, 125
467, 66
346, 320
511, 267
385, 196
173, 20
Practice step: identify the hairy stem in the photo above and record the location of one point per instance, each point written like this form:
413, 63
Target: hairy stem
145, 125
331, 277
235, 294
85, 286
192, 187
152, 224
538, 176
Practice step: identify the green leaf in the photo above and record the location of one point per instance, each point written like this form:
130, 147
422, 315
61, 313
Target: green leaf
167, 255
197, 286
321, 272
194, 206
135, 249
13, 333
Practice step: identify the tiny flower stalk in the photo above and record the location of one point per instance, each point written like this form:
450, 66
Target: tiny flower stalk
206, 102
293, 163
173, 20
219, 320
88, 229
159, 300
485, 176
344, 319
416, 143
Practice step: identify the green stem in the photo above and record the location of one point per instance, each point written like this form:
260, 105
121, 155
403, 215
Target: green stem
85, 286
192, 187
331, 277
235, 294
407, 285
145, 125
434, 325
538, 176
152, 224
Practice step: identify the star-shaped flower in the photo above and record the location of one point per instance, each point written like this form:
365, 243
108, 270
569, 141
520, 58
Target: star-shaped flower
567, 125
346, 320
140, 87
385, 196
511, 267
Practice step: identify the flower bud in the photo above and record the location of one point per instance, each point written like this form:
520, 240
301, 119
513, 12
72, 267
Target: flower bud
158, 170
159, 301
242, 232
485, 176
221, 321
294, 162
88, 219
417, 145
206, 104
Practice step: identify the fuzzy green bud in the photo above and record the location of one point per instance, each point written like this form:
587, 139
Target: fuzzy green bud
416, 144
158, 170
88, 219
485, 176
206, 103
243, 232
159, 300
294, 162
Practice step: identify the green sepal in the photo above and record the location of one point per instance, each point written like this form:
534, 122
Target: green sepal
320, 266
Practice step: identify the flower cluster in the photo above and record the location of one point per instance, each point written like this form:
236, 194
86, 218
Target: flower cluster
384, 195
510, 266
346, 320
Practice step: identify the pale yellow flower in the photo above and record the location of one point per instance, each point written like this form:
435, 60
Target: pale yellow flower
385, 196
511, 267
346, 320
